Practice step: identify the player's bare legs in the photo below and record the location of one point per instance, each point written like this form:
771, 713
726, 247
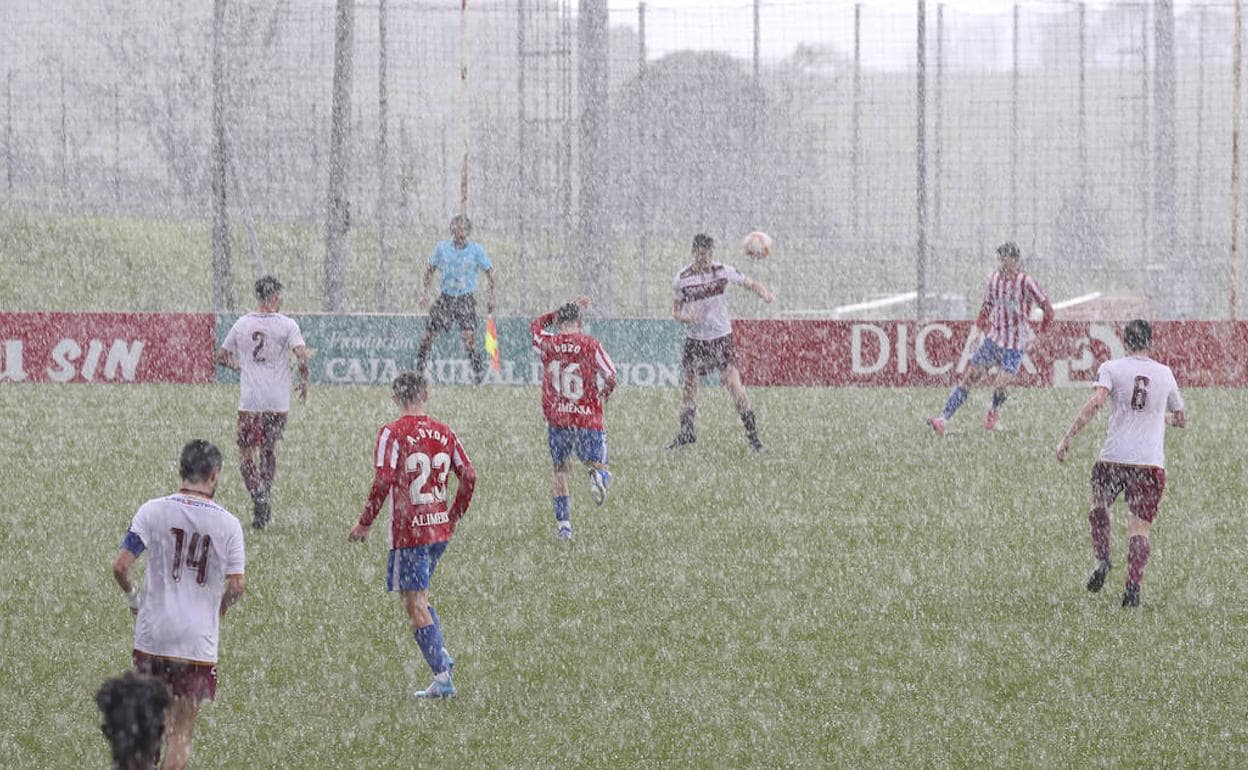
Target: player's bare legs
180, 721
688, 409
474, 355
426, 344
731, 377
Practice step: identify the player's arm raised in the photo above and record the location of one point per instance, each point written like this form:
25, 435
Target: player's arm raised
1085, 416
758, 288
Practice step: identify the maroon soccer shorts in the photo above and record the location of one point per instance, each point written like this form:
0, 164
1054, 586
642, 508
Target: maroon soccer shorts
1143, 485
260, 428
706, 356
186, 680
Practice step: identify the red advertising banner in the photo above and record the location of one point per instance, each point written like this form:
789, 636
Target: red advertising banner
905, 353
106, 347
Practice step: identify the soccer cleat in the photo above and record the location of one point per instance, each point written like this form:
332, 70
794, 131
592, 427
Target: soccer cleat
440, 687
990, 419
1131, 597
755, 444
599, 480
565, 531
1097, 579
938, 425
681, 439
261, 513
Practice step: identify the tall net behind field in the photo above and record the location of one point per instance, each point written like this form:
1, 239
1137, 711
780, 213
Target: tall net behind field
1097, 136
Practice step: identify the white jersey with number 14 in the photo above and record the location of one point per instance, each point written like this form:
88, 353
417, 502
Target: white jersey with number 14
1141, 391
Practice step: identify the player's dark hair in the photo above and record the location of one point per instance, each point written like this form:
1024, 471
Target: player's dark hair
267, 287
409, 387
133, 707
703, 241
568, 313
1137, 335
199, 459
1008, 249
461, 219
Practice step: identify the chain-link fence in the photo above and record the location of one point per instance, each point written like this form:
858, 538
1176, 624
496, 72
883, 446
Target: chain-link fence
1096, 135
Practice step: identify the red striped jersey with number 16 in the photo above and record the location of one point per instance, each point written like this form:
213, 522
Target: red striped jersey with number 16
413, 458
572, 394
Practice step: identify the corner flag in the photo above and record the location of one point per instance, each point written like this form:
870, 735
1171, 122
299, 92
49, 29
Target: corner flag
491, 341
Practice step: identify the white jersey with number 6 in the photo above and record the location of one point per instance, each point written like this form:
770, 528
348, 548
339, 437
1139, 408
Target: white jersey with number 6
191, 544
262, 342
1141, 391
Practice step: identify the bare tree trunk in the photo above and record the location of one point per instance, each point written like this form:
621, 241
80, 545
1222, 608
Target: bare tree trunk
338, 217
383, 188
222, 273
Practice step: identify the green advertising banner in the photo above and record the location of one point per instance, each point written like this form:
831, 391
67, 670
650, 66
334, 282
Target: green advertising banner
371, 349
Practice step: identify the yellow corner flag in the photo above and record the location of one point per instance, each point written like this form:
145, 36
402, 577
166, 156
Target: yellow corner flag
491, 341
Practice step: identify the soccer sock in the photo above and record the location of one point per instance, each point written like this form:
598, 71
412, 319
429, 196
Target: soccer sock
1137, 557
687, 413
956, 399
478, 366
998, 398
747, 419
1099, 518
251, 476
268, 468
561, 509
429, 640
422, 356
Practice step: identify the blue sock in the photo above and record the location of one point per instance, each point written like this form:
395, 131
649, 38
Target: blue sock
561, 509
433, 614
998, 398
429, 640
956, 399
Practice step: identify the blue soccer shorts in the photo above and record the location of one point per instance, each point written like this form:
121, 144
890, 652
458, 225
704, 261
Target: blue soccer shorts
589, 445
991, 354
410, 569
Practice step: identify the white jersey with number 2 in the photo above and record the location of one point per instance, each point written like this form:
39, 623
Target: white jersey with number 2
191, 544
262, 342
1141, 391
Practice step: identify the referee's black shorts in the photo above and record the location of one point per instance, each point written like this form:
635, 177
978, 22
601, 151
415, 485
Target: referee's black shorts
451, 312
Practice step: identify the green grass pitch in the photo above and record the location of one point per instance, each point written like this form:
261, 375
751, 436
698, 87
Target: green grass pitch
862, 595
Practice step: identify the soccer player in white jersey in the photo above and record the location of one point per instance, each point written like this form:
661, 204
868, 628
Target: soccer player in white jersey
1008, 300
195, 560
1145, 399
260, 344
699, 302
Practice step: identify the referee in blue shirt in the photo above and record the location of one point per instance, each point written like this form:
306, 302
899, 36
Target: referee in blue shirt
459, 260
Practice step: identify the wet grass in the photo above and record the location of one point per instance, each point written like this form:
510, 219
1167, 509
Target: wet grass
861, 595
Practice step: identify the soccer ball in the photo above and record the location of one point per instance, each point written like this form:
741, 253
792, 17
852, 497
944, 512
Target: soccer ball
757, 244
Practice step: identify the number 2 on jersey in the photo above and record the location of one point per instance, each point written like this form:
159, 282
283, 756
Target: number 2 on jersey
259, 338
423, 466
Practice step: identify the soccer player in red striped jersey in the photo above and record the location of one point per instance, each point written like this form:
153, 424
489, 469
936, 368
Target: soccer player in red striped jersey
1008, 301
577, 379
413, 457
1144, 399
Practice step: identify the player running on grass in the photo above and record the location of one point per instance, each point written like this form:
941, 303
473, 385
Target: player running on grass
577, 379
1008, 300
259, 344
413, 457
1145, 399
195, 561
